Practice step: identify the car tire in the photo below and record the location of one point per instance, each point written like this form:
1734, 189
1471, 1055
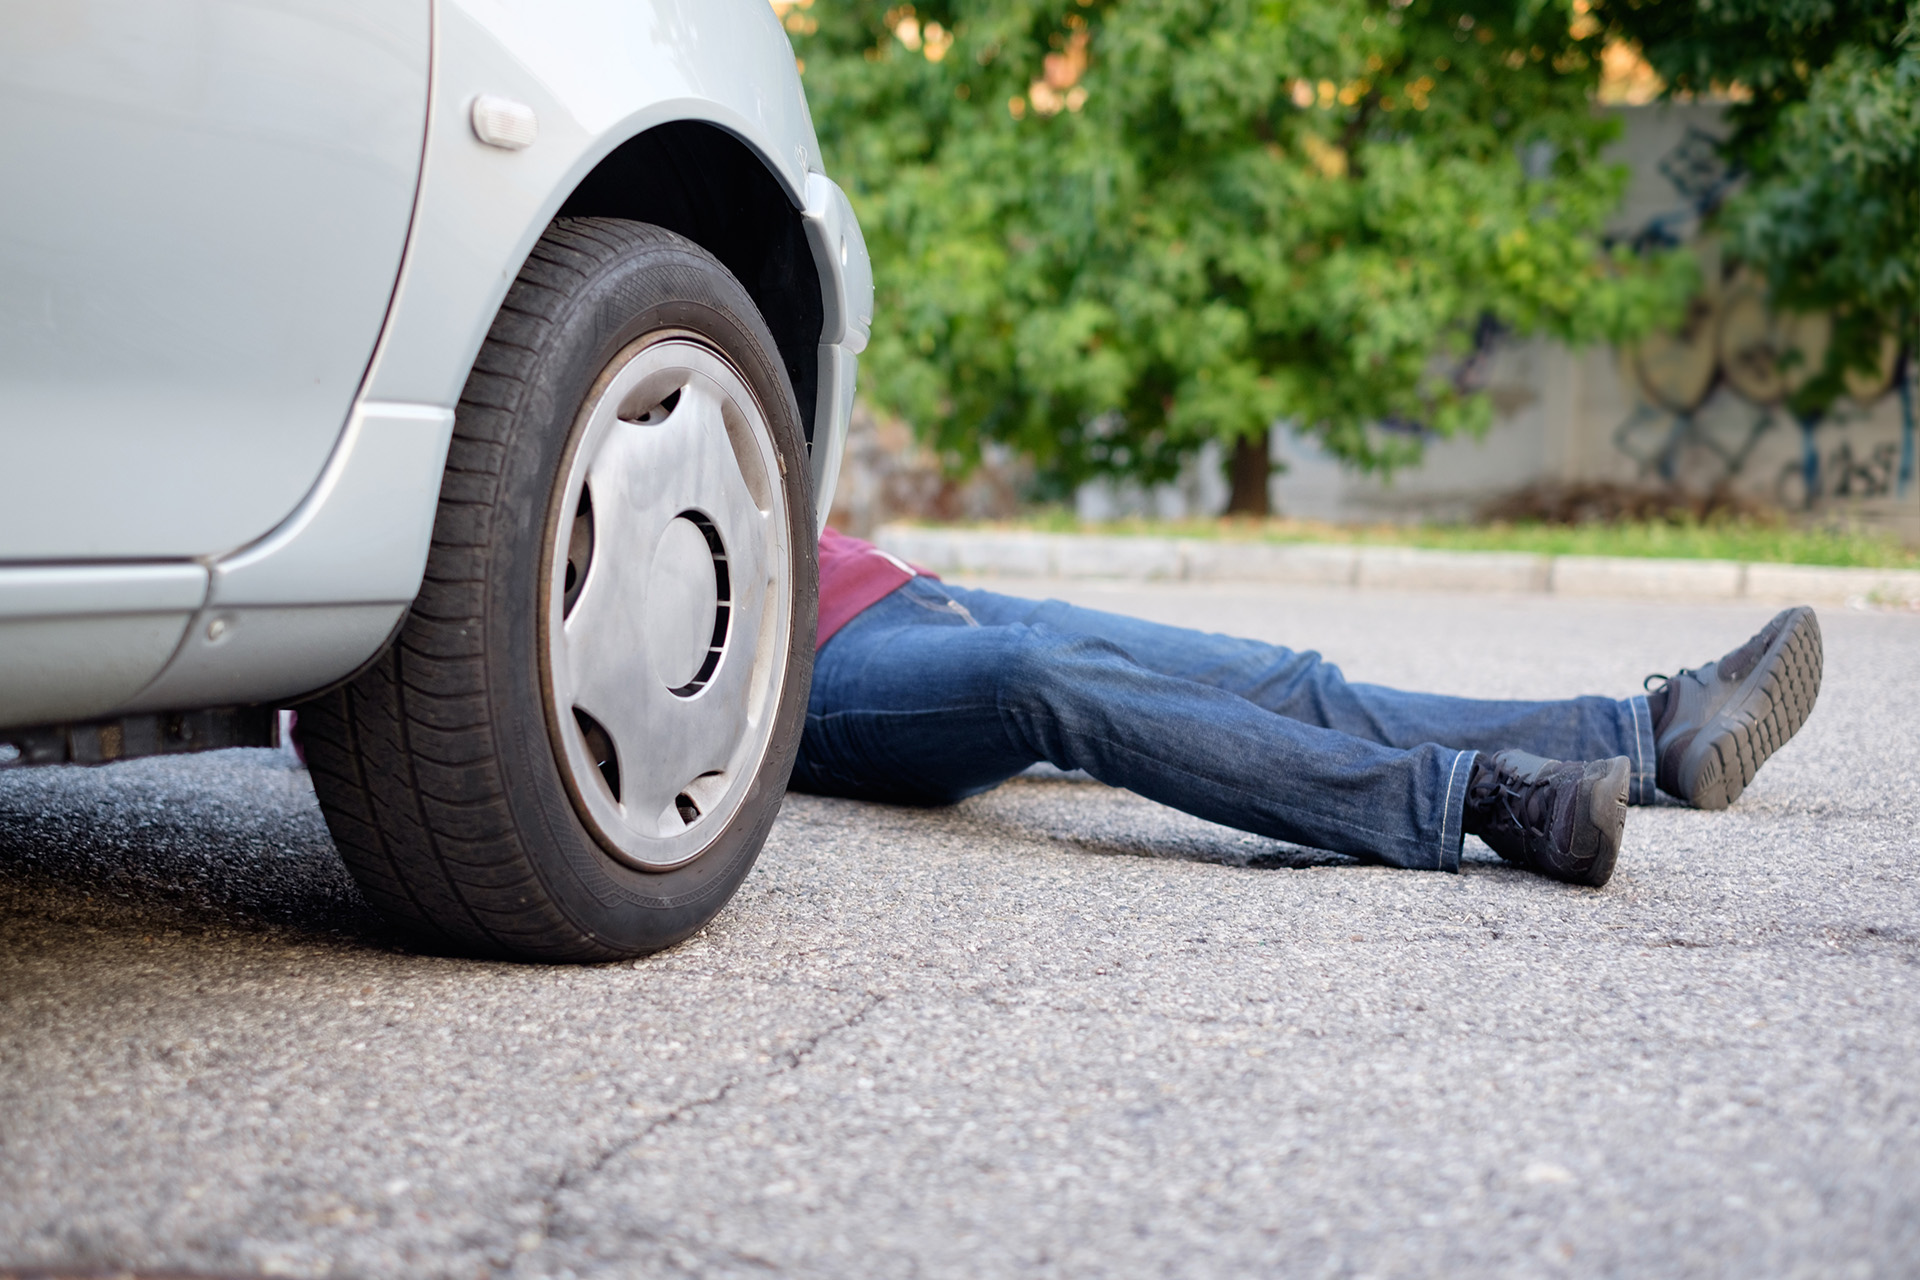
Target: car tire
621, 589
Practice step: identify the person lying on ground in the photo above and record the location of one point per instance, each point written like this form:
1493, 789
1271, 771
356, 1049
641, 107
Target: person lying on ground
927, 693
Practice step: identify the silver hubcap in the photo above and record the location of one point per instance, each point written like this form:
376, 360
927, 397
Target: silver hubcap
668, 602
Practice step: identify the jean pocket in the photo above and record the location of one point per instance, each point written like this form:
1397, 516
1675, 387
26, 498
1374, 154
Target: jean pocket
927, 594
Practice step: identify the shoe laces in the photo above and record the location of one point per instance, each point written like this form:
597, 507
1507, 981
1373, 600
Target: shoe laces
1648, 685
1736, 663
1527, 805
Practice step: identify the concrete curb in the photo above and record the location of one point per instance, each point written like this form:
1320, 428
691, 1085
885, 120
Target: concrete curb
1000, 553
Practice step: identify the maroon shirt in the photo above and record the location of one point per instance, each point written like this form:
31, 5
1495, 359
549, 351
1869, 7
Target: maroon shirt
854, 575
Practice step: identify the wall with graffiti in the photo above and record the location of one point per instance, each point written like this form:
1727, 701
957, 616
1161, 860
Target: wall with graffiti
1704, 407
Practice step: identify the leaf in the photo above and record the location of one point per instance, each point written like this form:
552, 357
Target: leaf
1261, 210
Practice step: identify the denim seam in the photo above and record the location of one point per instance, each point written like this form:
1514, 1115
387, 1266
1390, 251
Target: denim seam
1645, 784
1453, 817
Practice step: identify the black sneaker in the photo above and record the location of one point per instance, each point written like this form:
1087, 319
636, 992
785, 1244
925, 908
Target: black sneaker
1556, 817
1713, 728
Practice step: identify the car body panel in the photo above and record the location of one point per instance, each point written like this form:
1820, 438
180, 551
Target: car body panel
314, 594
361, 535
204, 210
726, 62
265, 654
52, 591
839, 369
840, 255
134, 617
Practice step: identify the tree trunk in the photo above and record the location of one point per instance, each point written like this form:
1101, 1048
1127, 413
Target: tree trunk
1249, 471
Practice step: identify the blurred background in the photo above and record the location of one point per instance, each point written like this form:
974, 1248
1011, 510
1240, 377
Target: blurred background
1521, 262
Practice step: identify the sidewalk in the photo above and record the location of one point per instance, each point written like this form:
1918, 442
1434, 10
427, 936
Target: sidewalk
1020, 554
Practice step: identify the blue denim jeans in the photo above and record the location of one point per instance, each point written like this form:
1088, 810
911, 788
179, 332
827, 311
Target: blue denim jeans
940, 692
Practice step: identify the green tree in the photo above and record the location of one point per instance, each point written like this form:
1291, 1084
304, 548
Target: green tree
1765, 55
1106, 231
1826, 115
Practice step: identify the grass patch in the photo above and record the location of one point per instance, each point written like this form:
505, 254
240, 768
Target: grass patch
1745, 540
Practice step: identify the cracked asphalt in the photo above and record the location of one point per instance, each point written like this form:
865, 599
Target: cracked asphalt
1056, 1031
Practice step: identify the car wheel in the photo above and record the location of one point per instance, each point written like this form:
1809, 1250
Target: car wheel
576, 745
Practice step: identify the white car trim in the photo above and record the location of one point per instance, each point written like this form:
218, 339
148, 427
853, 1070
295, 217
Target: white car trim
361, 535
53, 591
846, 274
840, 254
838, 370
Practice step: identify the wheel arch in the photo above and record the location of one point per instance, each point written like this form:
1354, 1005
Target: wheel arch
701, 181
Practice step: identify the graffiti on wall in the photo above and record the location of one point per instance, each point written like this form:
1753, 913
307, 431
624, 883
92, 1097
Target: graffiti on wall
1732, 339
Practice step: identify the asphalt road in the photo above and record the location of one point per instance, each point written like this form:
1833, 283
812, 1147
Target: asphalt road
1054, 1031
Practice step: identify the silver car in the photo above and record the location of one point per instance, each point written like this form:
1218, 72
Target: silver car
472, 374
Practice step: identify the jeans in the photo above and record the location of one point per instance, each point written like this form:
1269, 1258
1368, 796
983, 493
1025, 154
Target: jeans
940, 692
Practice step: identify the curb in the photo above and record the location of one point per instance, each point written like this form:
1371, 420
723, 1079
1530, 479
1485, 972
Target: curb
998, 553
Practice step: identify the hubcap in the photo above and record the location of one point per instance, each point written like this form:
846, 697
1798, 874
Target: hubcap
667, 602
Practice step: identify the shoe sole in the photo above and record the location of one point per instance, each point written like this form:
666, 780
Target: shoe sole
1596, 846
1769, 708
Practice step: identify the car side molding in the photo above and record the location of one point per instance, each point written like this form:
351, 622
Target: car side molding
360, 536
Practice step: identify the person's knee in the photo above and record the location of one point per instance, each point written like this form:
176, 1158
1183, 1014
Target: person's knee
1040, 660
1052, 679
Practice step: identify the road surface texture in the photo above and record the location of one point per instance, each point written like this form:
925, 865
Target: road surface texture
1056, 1031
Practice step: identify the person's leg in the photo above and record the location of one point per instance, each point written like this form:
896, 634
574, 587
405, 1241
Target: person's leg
1301, 685
912, 704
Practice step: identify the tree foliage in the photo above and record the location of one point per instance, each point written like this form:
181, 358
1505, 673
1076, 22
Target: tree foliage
1827, 130
1766, 53
1105, 231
